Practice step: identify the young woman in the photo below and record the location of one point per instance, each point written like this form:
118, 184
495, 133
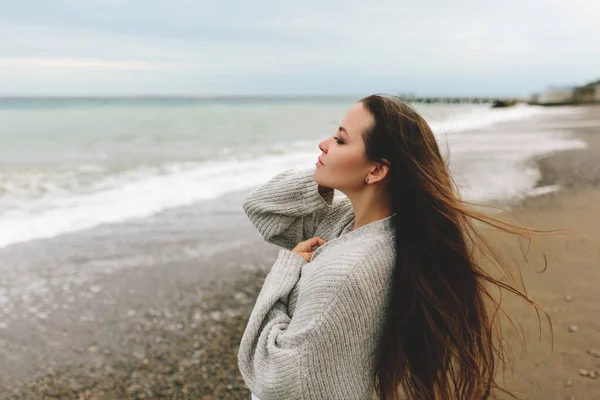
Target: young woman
379, 294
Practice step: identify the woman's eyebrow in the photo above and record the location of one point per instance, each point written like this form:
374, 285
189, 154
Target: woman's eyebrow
343, 130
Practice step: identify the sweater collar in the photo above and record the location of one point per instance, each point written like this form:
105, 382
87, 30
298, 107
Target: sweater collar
385, 227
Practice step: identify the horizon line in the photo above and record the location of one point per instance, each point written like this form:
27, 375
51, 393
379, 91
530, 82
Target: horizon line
240, 96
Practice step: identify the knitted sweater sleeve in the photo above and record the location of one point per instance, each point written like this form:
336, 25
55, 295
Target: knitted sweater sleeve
287, 209
326, 349
269, 354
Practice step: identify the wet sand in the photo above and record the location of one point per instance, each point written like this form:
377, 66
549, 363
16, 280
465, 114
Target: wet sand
161, 328
171, 330
567, 367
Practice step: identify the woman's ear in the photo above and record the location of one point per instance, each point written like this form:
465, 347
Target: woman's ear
379, 173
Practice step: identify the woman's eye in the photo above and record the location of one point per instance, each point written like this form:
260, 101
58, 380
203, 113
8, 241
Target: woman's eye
338, 140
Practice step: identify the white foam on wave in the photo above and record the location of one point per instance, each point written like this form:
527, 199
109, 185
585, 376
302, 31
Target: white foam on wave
495, 165
126, 198
484, 116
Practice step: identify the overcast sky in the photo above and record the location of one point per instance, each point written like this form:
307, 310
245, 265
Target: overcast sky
223, 47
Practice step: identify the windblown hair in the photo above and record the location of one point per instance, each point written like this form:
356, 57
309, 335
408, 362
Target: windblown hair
442, 336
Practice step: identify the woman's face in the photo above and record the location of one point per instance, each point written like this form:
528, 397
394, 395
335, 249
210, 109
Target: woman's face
344, 164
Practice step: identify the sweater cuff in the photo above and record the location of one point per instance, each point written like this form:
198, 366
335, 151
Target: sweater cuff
286, 271
311, 198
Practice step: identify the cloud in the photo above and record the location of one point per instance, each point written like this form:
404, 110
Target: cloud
76, 64
265, 46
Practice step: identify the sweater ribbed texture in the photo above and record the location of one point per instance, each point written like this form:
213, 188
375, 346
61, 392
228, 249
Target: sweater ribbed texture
314, 330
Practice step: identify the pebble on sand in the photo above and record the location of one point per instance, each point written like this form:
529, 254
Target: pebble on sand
573, 328
568, 297
583, 372
568, 383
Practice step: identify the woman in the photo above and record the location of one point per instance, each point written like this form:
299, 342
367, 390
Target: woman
392, 303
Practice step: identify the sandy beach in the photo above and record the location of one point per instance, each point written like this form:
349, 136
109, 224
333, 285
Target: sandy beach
569, 366
172, 330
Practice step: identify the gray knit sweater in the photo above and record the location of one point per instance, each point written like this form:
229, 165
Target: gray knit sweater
315, 327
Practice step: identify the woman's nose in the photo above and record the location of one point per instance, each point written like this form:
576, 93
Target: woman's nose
322, 146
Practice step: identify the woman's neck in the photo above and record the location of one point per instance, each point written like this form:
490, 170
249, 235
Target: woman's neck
370, 206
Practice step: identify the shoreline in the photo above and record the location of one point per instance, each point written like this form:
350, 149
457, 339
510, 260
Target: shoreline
560, 168
187, 348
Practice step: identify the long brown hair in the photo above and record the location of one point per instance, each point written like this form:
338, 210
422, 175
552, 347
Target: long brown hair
441, 338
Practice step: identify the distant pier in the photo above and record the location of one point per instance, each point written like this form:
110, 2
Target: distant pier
456, 100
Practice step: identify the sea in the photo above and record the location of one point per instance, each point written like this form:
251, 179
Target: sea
67, 165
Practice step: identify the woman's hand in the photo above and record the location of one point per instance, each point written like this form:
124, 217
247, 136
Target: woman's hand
305, 249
